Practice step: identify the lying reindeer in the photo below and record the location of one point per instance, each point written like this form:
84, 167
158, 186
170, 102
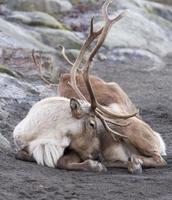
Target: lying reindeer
142, 145
56, 124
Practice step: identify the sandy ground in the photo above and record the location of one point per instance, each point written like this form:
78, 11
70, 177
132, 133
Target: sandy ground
151, 91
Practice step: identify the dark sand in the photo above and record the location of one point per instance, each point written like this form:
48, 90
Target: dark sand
151, 91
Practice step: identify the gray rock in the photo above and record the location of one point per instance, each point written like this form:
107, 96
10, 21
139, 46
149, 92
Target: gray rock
48, 6
2, 1
17, 97
15, 89
35, 19
83, 1
163, 11
13, 36
163, 1
129, 57
137, 31
4, 143
54, 38
12, 88
6, 70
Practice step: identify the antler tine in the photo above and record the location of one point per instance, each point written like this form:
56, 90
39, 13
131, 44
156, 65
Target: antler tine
64, 55
78, 61
112, 115
105, 13
108, 129
115, 123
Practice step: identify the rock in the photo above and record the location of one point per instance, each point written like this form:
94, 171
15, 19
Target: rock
2, 1
83, 1
13, 36
35, 19
54, 38
131, 58
137, 31
17, 97
51, 7
6, 70
4, 143
163, 1
163, 11
15, 89
101, 56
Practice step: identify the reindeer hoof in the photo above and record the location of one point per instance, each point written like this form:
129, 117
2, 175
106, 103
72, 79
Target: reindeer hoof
160, 161
96, 166
134, 165
136, 171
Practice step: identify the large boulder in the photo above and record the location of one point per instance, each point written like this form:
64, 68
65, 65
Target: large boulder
88, 2
54, 38
163, 1
13, 36
141, 28
48, 6
2, 1
35, 19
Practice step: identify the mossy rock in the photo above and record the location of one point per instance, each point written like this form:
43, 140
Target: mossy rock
75, 2
35, 18
52, 7
6, 70
56, 37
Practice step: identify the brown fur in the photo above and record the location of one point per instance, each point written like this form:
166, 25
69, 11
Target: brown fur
106, 93
140, 135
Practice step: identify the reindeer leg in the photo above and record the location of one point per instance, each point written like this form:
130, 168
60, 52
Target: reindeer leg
136, 161
24, 155
72, 161
154, 161
133, 165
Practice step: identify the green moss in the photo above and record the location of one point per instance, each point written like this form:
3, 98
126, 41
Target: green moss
6, 70
76, 2
150, 10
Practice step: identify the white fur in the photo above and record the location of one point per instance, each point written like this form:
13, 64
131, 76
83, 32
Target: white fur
46, 128
162, 144
116, 108
48, 151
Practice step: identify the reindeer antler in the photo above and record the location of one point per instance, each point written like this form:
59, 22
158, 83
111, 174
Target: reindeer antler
78, 60
102, 113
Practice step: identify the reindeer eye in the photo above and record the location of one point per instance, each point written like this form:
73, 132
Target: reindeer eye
92, 124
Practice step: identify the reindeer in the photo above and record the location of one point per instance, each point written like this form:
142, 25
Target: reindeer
142, 146
58, 132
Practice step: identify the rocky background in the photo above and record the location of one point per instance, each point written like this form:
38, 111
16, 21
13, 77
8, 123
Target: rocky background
137, 54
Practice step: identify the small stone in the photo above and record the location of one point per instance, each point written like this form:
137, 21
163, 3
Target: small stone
4, 143
101, 56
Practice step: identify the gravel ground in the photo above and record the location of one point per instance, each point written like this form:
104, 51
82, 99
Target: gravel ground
151, 91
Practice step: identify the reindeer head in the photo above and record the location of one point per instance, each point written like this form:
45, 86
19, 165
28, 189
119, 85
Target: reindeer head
87, 144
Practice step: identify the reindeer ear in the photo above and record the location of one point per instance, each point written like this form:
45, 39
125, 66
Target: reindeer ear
76, 109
